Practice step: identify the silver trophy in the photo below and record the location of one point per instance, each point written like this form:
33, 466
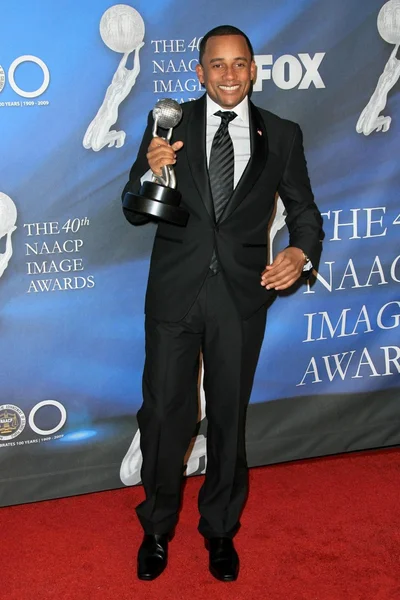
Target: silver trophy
159, 197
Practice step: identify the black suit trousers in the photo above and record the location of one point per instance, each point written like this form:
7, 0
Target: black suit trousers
168, 416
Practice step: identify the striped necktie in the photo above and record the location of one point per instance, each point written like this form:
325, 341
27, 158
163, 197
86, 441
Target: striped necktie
221, 169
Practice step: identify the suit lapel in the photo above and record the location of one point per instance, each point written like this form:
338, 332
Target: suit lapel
197, 154
197, 157
257, 161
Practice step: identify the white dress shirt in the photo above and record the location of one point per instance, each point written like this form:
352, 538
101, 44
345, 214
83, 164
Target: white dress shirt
238, 130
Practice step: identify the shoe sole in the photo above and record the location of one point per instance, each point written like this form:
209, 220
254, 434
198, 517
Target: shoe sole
144, 577
227, 578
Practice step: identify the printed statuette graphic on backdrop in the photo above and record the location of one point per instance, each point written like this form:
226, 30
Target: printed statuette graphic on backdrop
196, 458
122, 30
389, 29
8, 218
278, 223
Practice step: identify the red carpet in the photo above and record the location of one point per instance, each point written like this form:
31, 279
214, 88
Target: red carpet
325, 529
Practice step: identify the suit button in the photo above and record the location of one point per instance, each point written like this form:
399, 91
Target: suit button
216, 228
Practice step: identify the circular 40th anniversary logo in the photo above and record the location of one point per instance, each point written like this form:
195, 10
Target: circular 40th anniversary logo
12, 421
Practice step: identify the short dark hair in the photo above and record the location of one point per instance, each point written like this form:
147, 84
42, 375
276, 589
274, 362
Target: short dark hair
219, 31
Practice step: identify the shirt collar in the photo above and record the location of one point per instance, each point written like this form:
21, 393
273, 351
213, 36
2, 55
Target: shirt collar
242, 109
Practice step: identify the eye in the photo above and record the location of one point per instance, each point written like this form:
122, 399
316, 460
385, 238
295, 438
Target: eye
217, 65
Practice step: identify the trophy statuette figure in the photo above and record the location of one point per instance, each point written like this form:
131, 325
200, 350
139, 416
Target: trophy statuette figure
159, 197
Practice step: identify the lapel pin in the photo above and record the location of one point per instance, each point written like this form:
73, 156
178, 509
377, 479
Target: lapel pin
259, 131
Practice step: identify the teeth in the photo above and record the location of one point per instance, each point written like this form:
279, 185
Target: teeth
229, 87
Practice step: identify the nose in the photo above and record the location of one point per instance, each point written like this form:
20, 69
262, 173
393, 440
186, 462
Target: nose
229, 73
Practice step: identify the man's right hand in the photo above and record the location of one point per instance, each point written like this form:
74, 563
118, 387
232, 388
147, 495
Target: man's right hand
160, 154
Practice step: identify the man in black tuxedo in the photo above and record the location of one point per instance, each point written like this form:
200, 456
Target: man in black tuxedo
209, 289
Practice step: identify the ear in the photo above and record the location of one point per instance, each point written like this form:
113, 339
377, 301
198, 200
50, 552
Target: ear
200, 73
253, 71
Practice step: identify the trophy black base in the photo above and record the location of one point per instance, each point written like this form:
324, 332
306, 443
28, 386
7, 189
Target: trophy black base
159, 202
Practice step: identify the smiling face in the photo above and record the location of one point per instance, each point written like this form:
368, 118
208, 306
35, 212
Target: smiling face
227, 70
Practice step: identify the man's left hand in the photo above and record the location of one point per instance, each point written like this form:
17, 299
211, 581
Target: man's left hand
285, 270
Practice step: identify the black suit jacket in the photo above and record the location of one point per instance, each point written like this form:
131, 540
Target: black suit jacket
181, 255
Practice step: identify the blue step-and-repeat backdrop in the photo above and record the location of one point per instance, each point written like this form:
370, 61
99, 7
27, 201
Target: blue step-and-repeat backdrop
76, 85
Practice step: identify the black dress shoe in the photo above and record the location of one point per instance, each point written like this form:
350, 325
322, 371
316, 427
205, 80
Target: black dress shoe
224, 561
152, 556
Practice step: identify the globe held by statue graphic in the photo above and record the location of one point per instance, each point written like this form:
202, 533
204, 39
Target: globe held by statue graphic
122, 28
